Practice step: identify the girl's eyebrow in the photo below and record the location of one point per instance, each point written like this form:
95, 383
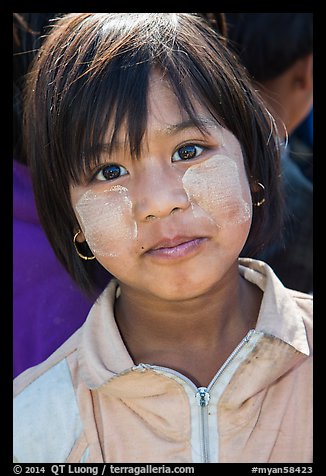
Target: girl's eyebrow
202, 124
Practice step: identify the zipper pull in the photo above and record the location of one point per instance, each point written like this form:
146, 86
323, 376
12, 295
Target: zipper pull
202, 396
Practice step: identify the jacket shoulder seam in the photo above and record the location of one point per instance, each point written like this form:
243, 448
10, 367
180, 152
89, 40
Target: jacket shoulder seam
32, 374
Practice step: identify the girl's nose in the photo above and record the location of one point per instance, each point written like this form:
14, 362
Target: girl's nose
160, 193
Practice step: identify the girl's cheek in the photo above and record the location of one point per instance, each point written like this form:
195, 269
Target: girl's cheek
218, 190
106, 219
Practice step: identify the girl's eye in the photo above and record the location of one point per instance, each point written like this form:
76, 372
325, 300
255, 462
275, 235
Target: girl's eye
187, 152
111, 172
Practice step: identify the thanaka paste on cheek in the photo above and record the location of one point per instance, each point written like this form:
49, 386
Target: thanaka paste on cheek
106, 219
215, 190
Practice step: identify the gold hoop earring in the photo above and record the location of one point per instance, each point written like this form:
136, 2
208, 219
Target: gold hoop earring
263, 200
86, 258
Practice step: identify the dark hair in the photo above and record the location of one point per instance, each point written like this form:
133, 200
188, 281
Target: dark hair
94, 68
28, 31
217, 21
269, 43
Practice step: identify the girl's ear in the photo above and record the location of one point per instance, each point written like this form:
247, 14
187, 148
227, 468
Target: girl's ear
258, 193
79, 236
254, 187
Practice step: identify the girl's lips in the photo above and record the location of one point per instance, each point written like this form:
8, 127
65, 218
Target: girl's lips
180, 249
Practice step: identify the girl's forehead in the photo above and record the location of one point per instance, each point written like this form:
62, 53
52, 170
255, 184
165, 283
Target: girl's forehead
162, 102
164, 112
163, 108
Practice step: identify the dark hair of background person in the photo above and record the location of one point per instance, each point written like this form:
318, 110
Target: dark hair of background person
28, 33
273, 42
69, 106
217, 21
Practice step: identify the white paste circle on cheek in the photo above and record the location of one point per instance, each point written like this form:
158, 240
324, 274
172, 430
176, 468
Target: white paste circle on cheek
107, 220
215, 189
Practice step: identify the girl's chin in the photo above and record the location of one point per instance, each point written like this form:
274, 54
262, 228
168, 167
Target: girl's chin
181, 289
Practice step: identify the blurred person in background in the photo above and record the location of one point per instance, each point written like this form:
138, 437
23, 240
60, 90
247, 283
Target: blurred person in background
41, 320
277, 51
301, 150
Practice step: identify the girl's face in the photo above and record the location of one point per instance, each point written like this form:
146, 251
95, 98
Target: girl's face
172, 223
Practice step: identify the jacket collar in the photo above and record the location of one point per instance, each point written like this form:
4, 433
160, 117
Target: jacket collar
103, 355
279, 314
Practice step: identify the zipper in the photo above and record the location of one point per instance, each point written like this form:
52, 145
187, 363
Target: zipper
203, 397
202, 394
231, 357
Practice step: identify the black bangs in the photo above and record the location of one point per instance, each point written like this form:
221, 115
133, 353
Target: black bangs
102, 105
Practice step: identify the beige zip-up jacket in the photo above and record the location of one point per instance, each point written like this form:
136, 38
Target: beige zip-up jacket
90, 403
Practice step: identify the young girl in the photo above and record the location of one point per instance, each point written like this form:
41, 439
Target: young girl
152, 155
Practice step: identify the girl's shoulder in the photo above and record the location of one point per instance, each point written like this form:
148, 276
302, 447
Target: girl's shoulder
305, 304
302, 299
50, 366
44, 401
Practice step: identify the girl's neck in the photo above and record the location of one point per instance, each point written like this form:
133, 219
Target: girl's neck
178, 334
